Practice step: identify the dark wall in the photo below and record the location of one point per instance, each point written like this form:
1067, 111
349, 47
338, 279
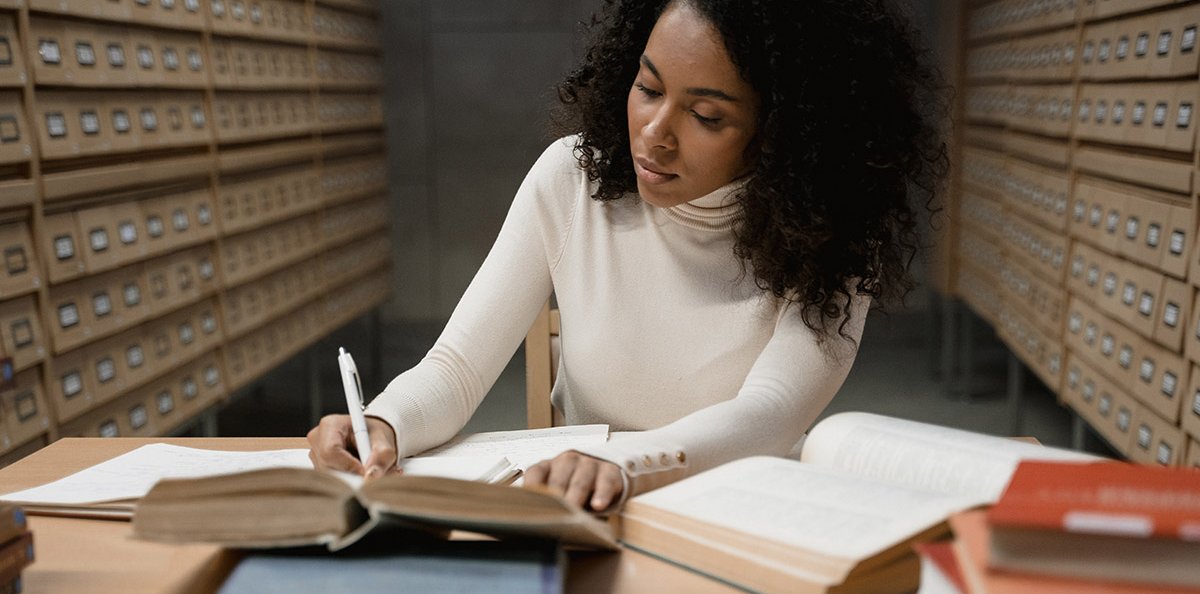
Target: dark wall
468, 84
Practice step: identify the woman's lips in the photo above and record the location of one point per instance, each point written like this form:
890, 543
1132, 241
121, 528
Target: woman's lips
649, 173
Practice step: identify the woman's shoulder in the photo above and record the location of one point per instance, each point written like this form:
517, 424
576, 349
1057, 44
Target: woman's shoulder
558, 167
560, 156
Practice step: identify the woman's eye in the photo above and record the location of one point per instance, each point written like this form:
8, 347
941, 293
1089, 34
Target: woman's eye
704, 120
647, 91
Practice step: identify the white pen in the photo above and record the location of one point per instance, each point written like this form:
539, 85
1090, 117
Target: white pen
354, 402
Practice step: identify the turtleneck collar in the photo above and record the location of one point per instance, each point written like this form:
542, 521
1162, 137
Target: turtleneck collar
715, 211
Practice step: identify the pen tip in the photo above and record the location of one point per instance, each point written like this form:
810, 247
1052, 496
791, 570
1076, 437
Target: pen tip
341, 351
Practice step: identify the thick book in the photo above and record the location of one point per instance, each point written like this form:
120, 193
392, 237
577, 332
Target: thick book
12, 522
284, 507
940, 573
971, 532
842, 518
1113, 522
15, 555
495, 567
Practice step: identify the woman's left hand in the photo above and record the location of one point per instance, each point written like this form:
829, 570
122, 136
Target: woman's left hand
588, 482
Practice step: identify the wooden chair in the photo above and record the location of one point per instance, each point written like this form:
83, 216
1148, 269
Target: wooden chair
541, 367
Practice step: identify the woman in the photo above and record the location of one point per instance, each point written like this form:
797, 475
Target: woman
735, 191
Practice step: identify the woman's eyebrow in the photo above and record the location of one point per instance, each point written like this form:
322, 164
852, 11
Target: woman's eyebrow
697, 91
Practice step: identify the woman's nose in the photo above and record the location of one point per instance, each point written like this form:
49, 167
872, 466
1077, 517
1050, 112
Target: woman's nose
659, 129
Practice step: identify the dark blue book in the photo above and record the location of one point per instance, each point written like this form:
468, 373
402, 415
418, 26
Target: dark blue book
495, 567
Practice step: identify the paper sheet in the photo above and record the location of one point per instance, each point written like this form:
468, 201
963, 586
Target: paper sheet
130, 475
524, 448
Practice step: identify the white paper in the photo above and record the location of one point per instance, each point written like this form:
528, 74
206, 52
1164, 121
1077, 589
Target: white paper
467, 468
804, 506
524, 448
131, 475
921, 455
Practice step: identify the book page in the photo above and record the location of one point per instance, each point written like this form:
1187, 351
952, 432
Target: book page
804, 506
523, 448
130, 475
972, 465
485, 469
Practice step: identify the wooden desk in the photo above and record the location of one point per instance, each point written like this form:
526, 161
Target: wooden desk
77, 555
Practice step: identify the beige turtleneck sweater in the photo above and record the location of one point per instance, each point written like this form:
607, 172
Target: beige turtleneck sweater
663, 333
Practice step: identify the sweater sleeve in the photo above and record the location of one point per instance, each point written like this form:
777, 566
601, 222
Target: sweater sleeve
431, 402
790, 383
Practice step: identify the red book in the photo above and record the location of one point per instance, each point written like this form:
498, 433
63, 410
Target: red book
1105, 521
971, 551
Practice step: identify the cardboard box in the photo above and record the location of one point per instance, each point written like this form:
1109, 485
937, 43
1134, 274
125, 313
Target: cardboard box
101, 247
87, 113
1181, 131
21, 332
146, 57
12, 55
1148, 284
1193, 457
19, 272
183, 119
1171, 316
116, 64
105, 361
151, 121
120, 125
1177, 242
1177, 31
221, 59
130, 226
1189, 418
160, 295
182, 59
71, 318
1166, 173
14, 130
1156, 441
201, 223
71, 390
64, 247
58, 125
135, 357
1162, 379
159, 14
26, 415
50, 63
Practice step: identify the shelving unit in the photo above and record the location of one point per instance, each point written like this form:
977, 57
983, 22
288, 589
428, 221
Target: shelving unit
1074, 208
191, 192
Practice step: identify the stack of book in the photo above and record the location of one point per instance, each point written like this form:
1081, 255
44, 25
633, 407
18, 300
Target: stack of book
16, 548
844, 518
1108, 527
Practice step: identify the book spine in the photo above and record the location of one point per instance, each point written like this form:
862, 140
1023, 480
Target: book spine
15, 556
12, 523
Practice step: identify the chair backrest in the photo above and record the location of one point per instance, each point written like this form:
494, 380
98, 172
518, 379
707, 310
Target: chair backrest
541, 367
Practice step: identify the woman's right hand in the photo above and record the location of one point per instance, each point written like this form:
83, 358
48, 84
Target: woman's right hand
331, 446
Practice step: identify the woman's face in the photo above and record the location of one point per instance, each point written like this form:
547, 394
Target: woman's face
691, 116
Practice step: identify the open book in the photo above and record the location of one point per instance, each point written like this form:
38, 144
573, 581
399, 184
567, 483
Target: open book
112, 488
843, 518
282, 507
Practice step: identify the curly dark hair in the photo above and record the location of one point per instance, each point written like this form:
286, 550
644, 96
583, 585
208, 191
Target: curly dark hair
848, 139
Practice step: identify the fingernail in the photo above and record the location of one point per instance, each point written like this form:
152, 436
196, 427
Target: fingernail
373, 472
